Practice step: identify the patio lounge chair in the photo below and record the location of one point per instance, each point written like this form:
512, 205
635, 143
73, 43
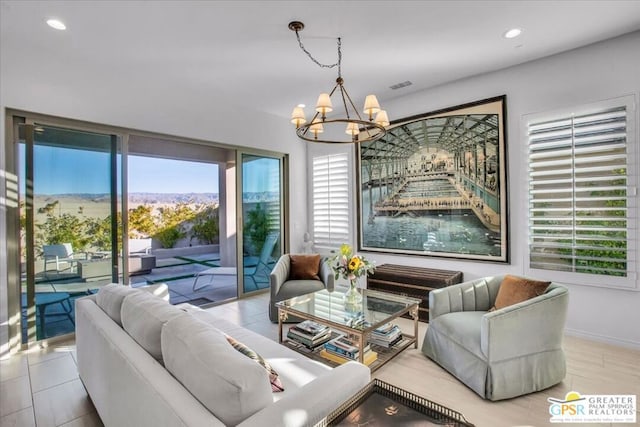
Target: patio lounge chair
258, 273
61, 255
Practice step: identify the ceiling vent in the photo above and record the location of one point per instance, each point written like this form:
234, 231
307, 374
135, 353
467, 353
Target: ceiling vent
400, 85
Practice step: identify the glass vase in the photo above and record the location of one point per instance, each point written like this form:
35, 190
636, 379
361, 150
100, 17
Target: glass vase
352, 296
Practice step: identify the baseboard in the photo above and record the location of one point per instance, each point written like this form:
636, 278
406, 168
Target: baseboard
602, 338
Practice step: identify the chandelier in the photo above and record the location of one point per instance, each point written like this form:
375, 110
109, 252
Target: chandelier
353, 125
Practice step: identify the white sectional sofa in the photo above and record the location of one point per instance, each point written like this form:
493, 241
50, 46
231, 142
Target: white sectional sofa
147, 363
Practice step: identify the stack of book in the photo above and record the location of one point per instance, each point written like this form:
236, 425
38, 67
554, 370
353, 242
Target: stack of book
386, 335
309, 333
341, 350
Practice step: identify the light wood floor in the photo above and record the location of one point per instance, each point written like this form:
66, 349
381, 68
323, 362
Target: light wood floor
41, 388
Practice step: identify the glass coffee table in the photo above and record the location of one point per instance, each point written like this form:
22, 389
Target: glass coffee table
355, 321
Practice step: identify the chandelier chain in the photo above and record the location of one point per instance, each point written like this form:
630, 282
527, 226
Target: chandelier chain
337, 64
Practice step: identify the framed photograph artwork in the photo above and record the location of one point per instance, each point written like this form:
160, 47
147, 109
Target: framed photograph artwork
436, 185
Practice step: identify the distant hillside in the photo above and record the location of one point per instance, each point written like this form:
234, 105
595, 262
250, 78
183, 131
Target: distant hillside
136, 198
173, 197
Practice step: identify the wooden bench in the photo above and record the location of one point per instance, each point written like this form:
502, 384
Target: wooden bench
415, 282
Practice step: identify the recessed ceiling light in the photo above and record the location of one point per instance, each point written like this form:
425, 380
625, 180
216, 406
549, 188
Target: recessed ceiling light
512, 33
301, 105
57, 24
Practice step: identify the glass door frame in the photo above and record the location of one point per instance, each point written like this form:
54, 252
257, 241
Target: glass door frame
284, 210
14, 119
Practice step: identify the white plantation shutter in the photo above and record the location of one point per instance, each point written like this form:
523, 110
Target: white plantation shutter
330, 200
582, 209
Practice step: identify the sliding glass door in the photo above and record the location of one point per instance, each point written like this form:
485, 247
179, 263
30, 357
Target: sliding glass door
207, 220
69, 223
261, 219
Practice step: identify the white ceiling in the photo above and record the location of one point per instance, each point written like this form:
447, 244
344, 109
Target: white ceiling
242, 53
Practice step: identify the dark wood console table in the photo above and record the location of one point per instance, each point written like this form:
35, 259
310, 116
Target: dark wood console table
415, 282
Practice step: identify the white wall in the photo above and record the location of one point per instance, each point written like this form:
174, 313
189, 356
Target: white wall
593, 73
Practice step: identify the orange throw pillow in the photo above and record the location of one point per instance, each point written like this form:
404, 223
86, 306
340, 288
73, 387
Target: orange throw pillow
304, 267
517, 289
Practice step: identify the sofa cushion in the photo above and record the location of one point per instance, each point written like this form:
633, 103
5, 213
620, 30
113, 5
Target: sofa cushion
230, 385
143, 315
515, 289
304, 267
276, 384
110, 297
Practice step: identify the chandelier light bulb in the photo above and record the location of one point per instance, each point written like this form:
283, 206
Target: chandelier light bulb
297, 117
371, 106
352, 129
324, 105
382, 119
316, 127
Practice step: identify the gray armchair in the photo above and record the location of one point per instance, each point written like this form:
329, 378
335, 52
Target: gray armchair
282, 288
500, 354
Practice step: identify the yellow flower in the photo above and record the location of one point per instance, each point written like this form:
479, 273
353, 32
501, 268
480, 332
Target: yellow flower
345, 250
354, 263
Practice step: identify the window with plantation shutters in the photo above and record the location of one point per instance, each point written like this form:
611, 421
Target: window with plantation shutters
582, 188
330, 200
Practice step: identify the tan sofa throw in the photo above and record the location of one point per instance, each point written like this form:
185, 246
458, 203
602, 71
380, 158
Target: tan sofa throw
515, 289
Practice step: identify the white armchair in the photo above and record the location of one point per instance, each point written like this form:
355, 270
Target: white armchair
499, 354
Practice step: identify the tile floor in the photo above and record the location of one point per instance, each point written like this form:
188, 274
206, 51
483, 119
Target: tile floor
41, 387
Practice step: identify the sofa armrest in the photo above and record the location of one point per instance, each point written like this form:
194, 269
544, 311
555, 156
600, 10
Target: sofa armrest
474, 295
327, 275
542, 318
279, 275
311, 403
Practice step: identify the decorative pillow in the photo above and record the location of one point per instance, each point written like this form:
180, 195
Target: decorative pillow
515, 289
276, 384
304, 267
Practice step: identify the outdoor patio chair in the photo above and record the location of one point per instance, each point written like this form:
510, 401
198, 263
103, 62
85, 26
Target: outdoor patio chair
257, 274
61, 255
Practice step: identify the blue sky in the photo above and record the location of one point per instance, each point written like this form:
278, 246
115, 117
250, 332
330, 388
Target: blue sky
152, 175
261, 175
60, 170
63, 171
